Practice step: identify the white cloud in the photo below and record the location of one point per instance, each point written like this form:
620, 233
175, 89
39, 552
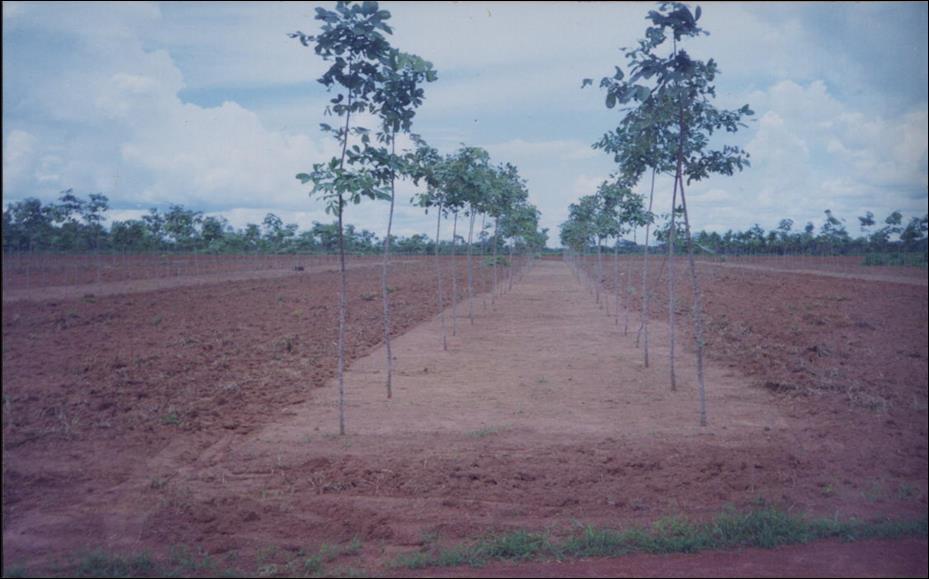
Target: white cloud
101, 108
18, 156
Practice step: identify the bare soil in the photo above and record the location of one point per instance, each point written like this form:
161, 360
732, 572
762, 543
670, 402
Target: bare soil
57, 289
206, 417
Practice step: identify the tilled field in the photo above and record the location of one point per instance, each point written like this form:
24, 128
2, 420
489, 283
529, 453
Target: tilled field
193, 417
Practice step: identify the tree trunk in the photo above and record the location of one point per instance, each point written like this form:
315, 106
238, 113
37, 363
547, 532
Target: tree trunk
493, 296
483, 254
386, 293
645, 295
697, 310
628, 283
454, 276
470, 268
512, 265
343, 291
671, 238
438, 272
599, 271
618, 300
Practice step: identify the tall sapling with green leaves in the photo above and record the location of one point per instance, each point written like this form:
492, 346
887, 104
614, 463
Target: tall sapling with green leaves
352, 39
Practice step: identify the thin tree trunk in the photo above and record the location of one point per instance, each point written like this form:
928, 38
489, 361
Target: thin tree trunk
386, 293
483, 254
438, 272
512, 265
454, 276
470, 268
628, 283
670, 262
645, 294
697, 310
493, 296
617, 299
599, 270
343, 291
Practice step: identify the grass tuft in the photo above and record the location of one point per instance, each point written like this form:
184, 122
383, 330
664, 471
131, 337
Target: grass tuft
764, 527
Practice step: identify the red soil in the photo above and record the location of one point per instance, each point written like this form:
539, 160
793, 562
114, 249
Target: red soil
193, 416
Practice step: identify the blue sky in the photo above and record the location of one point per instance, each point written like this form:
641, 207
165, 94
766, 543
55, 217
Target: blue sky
214, 107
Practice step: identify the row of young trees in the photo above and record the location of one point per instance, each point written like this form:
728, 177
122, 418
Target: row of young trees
74, 224
371, 79
667, 122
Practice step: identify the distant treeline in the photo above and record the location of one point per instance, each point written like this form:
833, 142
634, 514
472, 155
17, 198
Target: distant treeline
830, 238
76, 224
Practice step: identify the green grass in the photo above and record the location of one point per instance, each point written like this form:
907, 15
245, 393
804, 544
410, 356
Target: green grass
763, 528
909, 259
101, 564
485, 432
502, 261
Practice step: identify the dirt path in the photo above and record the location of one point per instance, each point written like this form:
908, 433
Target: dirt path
916, 279
547, 363
65, 292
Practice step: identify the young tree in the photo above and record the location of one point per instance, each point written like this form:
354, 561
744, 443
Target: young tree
352, 39
469, 179
425, 164
396, 101
683, 85
640, 145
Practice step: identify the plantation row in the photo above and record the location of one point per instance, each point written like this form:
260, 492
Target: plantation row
367, 76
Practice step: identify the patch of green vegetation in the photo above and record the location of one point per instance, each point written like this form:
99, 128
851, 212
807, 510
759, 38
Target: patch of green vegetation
485, 432
17, 571
764, 527
100, 564
172, 418
501, 261
314, 565
191, 561
903, 259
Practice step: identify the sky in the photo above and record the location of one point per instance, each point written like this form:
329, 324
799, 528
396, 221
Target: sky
213, 106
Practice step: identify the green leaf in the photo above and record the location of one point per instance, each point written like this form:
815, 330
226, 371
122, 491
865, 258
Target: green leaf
697, 14
304, 178
586, 82
610, 101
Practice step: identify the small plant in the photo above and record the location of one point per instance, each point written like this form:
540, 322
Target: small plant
189, 560
907, 491
157, 483
875, 492
484, 432
500, 260
172, 418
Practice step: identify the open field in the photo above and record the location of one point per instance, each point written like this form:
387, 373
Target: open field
203, 418
25, 271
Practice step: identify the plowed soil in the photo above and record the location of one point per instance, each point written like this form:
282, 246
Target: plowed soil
206, 417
